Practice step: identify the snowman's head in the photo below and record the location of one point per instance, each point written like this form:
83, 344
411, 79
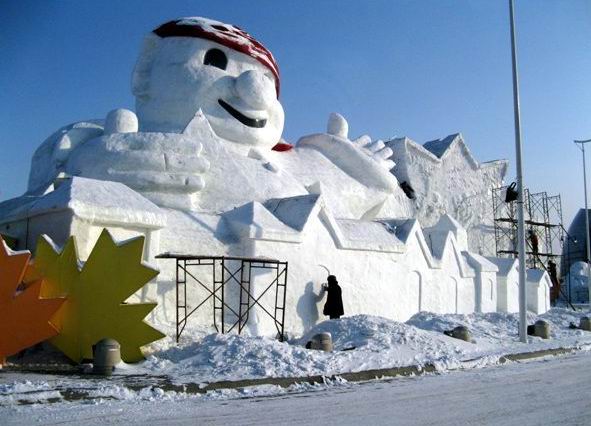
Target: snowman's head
196, 63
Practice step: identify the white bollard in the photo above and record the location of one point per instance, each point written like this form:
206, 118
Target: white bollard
585, 323
542, 329
322, 342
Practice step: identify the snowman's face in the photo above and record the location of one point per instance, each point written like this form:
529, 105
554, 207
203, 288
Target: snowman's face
177, 76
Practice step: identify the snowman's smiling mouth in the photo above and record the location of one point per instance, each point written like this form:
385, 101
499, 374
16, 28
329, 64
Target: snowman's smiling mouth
257, 123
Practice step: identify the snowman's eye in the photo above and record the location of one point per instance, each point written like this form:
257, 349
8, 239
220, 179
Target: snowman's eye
216, 58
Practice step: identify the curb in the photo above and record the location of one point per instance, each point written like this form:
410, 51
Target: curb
284, 382
366, 375
540, 354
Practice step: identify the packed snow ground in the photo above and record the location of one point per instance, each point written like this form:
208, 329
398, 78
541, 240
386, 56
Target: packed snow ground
361, 342
552, 391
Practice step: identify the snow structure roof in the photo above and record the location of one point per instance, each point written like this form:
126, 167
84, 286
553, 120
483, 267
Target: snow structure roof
505, 265
480, 263
447, 224
443, 237
16, 208
437, 150
286, 220
538, 277
90, 199
294, 211
402, 228
225, 34
253, 220
439, 146
369, 235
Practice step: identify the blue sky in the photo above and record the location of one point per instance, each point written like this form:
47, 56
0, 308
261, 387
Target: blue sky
424, 69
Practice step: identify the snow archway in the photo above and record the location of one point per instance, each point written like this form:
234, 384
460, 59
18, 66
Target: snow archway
449, 297
411, 294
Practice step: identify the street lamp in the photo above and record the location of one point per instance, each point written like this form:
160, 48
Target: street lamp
582, 147
520, 215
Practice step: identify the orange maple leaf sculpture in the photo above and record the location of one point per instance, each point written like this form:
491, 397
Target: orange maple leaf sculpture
24, 316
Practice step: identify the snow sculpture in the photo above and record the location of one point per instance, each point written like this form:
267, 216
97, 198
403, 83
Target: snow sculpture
576, 278
446, 178
337, 125
121, 121
202, 169
195, 63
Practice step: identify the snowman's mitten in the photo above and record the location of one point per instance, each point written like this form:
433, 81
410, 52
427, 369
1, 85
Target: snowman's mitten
363, 160
377, 150
169, 163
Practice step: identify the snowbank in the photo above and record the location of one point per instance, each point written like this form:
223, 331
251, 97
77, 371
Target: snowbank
361, 342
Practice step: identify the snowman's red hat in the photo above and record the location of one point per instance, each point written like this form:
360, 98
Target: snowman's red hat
224, 34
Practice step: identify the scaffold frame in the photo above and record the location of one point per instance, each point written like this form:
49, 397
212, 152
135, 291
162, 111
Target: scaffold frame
226, 271
543, 216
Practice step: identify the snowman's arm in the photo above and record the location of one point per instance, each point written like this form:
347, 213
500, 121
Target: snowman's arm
365, 160
50, 158
153, 162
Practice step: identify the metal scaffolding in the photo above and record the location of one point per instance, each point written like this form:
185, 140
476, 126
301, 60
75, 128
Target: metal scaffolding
543, 217
225, 272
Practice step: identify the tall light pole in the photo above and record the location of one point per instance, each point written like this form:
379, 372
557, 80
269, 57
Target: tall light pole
582, 143
520, 216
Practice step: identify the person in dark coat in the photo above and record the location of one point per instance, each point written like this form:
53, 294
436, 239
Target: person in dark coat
533, 240
553, 272
334, 302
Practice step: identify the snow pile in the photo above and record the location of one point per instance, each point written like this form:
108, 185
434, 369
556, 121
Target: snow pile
361, 342
491, 327
560, 319
234, 357
364, 342
496, 332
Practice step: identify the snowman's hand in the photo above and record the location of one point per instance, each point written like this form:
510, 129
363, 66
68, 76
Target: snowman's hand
377, 150
366, 161
154, 162
361, 159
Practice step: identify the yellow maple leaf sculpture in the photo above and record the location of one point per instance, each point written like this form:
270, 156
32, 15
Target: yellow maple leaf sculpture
96, 308
24, 316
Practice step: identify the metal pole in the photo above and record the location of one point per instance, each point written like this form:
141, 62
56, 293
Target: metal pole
520, 215
582, 143
568, 272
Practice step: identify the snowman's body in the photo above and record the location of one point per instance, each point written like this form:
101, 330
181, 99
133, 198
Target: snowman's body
205, 148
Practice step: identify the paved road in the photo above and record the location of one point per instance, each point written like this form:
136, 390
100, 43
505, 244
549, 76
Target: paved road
543, 392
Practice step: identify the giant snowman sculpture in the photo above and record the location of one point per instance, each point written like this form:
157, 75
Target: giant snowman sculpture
202, 169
